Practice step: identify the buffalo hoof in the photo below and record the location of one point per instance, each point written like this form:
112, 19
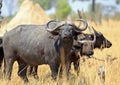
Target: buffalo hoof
54, 77
36, 77
26, 81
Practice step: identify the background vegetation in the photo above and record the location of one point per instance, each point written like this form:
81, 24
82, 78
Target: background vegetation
96, 11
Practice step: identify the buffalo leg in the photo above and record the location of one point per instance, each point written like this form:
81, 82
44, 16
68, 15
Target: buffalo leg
54, 69
68, 66
22, 70
8, 64
29, 70
1, 56
32, 70
1, 59
76, 66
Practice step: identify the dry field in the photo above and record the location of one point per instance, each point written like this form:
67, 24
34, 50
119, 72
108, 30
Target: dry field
89, 69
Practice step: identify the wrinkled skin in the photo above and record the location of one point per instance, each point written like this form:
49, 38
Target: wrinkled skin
32, 45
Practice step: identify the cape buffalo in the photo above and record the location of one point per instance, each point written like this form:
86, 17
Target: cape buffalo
85, 47
101, 40
101, 43
35, 45
78, 50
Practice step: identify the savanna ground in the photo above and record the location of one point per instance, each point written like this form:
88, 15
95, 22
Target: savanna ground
89, 69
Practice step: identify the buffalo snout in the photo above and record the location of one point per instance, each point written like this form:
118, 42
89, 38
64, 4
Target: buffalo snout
109, 44
87, 49
90, 52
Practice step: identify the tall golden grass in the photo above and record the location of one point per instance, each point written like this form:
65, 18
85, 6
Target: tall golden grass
89, 69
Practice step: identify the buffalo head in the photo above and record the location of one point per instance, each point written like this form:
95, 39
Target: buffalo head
65, 28
101, 40
86, 44
67, 31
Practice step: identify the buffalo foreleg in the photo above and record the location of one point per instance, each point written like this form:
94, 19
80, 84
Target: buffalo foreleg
8, 64
1, 59
54, 69
22, 70
76, 66
32, 70
1, 56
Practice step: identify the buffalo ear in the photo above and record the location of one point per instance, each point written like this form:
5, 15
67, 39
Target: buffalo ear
77, 47
55, 33
75, 34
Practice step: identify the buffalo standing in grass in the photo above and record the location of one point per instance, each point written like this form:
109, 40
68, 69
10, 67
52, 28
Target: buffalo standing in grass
34, 45
85, 47
79, 50
100, 43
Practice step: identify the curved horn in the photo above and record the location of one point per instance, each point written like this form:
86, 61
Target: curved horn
84, 27
53, 27
57, 25
83, 41
94, 30
91, 41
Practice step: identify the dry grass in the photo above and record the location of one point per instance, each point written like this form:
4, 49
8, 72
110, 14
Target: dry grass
88, 69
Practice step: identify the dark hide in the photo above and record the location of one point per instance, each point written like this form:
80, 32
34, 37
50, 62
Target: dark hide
78, 49
100, 43
32, 45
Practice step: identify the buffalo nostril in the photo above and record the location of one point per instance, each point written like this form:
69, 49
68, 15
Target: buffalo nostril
67, 33
91, 52
110, 44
